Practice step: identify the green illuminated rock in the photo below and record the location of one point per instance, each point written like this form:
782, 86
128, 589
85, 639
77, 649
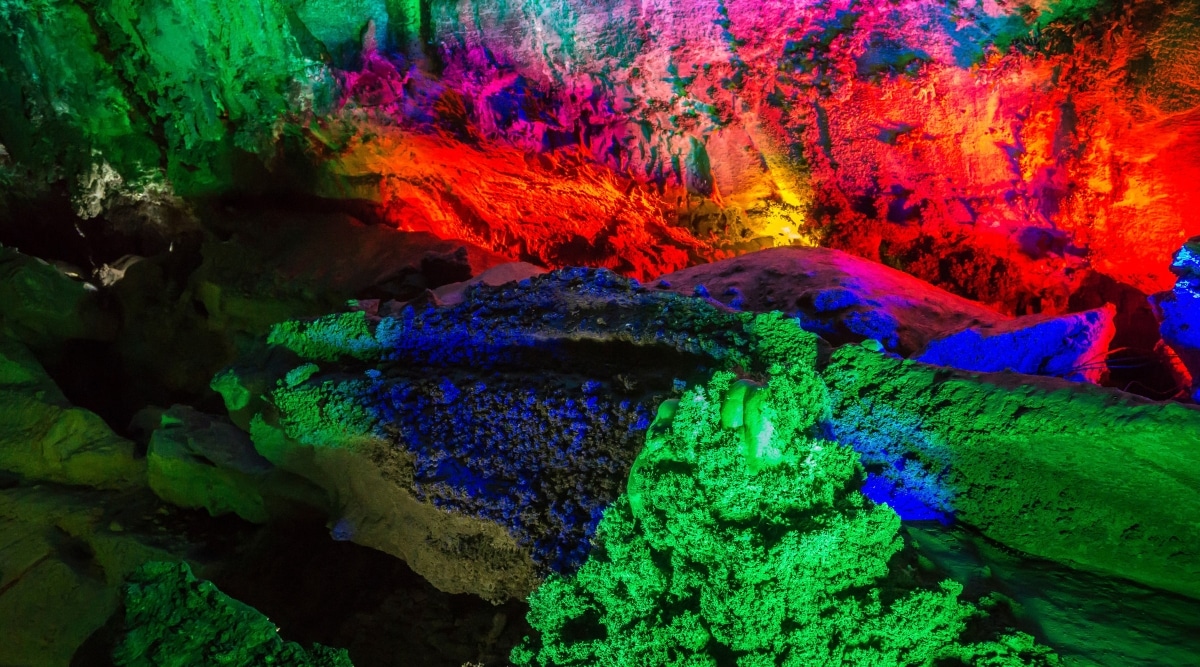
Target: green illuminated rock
172, 619
744, 540
1091, 477
44, 437
121, 94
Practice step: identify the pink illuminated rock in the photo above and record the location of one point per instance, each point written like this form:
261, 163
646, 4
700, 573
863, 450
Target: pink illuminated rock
846, 299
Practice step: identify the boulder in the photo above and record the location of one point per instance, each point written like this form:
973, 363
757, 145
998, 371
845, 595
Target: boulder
44, 437
200, 461
1178, 312
42, 306
844, 299
1073, 347
1092, 477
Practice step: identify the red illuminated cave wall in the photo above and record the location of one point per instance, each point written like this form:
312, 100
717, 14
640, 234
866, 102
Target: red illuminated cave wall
1005, 152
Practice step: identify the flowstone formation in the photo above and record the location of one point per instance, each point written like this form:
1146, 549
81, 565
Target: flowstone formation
743, 540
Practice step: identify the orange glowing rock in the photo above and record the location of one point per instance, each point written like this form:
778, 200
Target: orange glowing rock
554, 209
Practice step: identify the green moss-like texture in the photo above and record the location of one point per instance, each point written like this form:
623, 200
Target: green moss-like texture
744, 541
172, 619
1080, 475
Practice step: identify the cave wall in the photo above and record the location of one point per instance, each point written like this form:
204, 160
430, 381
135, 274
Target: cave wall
1007, 152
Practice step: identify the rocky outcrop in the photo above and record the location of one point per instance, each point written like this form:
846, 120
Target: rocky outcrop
42, 306
502, 274
848, 299
276, 267
199, 461
64, 553
507, 423
1073, 347
481, 441
1091, 477
944, 140
44, 437
740, 535
1178, 312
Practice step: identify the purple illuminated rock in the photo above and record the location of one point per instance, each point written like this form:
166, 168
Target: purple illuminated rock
848, 299
1178, 312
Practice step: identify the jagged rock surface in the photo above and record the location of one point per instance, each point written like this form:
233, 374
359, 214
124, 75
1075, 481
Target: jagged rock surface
173, 619
199, 461
1178, 312
518, 410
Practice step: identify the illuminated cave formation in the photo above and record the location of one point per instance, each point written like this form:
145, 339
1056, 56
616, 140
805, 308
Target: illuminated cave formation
717, 332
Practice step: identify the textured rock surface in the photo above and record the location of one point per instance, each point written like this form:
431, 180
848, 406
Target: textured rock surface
198, 461
64, 554
173, 619
41, 306
1073, 473
1089, 619
1178, 312
1073, 347
44, 437
278, 267
743, 540
519, 411
454, 293
1004, 152
848, 299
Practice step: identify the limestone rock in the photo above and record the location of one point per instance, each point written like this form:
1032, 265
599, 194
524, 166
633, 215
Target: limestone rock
1073, 347
173, 619
481, 441
41, 306
848, 299
1178, 312
44, 437
1092, 477
501, 274
200, 461
61, 569
280, 267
